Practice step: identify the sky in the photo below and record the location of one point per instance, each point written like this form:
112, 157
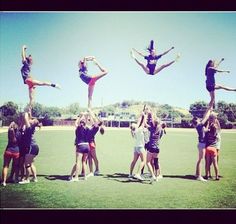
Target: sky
58, 40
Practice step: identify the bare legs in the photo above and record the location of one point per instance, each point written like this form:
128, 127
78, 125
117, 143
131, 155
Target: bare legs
146, 69
75, 169
201, 155
94, 80
139, 63
149, 159
32, 84
212, 93
92, 156
210, 158
6, 164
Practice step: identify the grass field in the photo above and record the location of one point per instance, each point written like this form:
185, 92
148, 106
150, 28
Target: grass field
112, 189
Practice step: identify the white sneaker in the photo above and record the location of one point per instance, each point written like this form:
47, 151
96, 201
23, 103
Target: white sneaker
96, 173
24, 181
159, 177
177, 57
200, 178
90, 175
4, 184
153, 179
137, 176
73, 179
57, 86
130, 177
35, 180
132, 54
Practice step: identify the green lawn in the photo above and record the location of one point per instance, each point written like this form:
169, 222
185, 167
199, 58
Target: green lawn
113, 189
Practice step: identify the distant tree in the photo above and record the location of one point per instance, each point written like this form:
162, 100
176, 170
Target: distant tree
227, 109
9, 109
52, 111
8, 113
37, 110
74, 108
198, 109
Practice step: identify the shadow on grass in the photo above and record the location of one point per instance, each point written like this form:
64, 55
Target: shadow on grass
57, 177
188, 177
124, 178
61, 177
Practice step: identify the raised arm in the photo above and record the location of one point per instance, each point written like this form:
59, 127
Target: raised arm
217, 64
81, 115
207, 114
23, 53
26, 120
167, 51
139, 52
96, 121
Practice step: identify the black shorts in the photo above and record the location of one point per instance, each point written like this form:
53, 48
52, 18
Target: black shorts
146, 146
23, 151
84, 148
153, 150
33, 150
210, 88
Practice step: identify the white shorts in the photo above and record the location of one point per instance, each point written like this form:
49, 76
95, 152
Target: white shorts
201, 146
139, 149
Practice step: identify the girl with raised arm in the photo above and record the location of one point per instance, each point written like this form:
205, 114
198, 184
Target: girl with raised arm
27, 61
90, 80
152, 58
211, 86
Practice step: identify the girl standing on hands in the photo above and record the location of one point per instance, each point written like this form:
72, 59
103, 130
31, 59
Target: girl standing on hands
90, 80
27, 61
211, 86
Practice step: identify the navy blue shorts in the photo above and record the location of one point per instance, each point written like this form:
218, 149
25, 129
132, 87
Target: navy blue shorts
84, 148
34, 150
210, 88
153, 150
85, 78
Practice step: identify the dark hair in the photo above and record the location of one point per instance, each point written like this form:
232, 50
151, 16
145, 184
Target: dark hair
151, 46
209, 64
102, 130
194, 121
141, 122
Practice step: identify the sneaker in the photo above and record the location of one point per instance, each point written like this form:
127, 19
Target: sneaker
35, 180
159, 177
132, 54
177, 57
137, 176
96, 173
217, 178
73, 179
84, 178
90, 175
130, 176
57, 86
153, 179
24, 181
200, 178
4, 184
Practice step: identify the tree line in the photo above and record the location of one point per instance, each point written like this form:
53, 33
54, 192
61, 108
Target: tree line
10, 111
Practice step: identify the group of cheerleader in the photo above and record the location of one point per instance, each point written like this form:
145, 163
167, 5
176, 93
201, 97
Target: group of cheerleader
22, 149
147, 132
